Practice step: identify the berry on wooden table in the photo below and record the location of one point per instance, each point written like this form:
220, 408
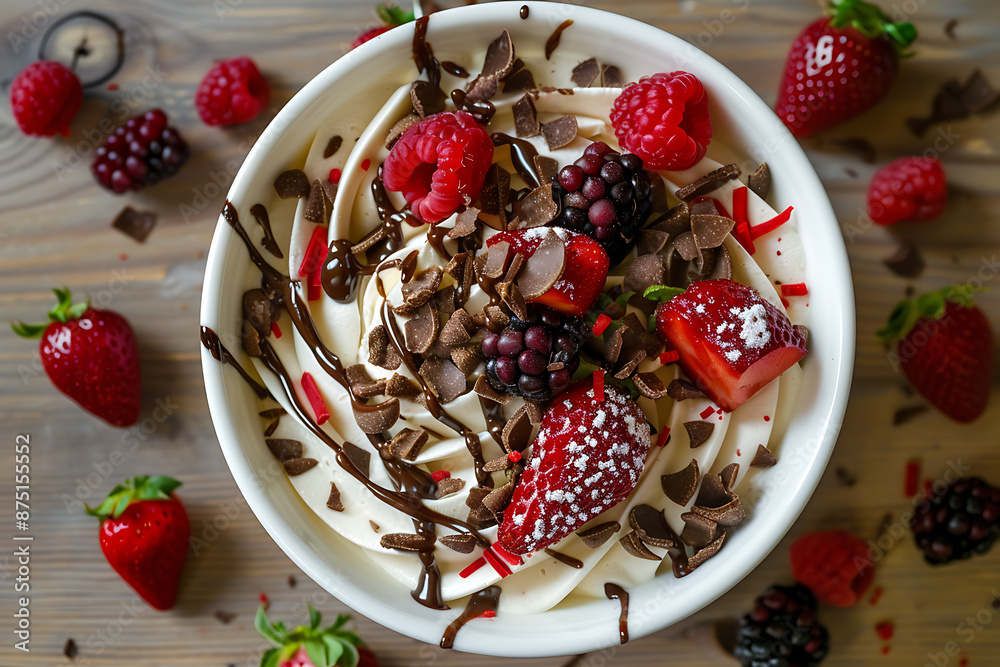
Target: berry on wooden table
312, 645
958, 521
139, 153
45, 96
233, 91
910, 188
782, 630
834, 564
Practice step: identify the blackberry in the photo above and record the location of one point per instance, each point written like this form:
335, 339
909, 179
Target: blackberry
782, 630
519, 357
139, 153
605, 195
961, 520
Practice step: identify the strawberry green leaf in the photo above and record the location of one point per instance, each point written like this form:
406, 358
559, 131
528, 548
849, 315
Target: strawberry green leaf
314, 618
340, 622
623, 299
28, 330
65, 309
662, 293
932, 305
393, 16
270, 658
585, 370
872, 22
348, 656
316, 650
264, 628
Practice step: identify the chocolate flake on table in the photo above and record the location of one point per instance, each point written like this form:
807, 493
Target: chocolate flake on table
699, 432
334, 502
224, 617
905, 414
760, 181
401, 386
318, 205
521, 80
407, 443
652, 527
956, 101
611, 77
298, 466
949, 28
730, 514
682, 390
272, 427
859, 147
698, 530
292, 184
707, 552
251, 340
586, 73
516, 435
405, 542
649, 385
543, 268
729, 474
906, 261
709, 182
463, 544
538, 207
465, 223
598, 535
559, 132
70, 649
633, 546
360, 458
643, 272
427, 99
284, 449
681, 485
376, 418
444, 379
448, 486
135, 224
291, 581
713, 493
844, 477
380, 352
332, 146
710, 231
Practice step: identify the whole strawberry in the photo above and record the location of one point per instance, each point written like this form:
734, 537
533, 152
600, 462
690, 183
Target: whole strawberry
390, 18
841, 66
91, 356
312, 646
144, 536
944, 347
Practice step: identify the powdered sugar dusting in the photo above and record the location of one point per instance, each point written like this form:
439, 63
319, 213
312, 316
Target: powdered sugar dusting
755, 333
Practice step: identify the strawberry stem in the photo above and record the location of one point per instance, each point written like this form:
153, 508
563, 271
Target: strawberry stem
64, 311
326, 647
157, 487
872, 22
392, 15
931, 305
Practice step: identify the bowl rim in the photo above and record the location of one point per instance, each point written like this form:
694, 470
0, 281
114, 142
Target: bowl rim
567, 637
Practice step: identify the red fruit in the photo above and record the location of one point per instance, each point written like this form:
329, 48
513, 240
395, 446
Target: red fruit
312, 646
664, 120
139, 153
587, 457
583, 278
233, 91
369, 35
834, 564
910, 188
839, 67
730, 340
945, 349
45, 97
390, 16
91, 356
144, 536
439, 164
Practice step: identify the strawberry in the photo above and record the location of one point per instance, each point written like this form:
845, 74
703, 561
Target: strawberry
587, 457
312, 646
390, 18
944, 346
583, 278
840, 66
144, 536
90, 355
730, 340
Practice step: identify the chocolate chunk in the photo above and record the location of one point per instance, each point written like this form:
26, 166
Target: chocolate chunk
444, 379
284, 449
598, 535
292, 183
707, 552
499, 61
713, 493
483, 389
515, 267
483, 87
543, 268
546, 167
418, 291
402, 386
859, 147
454, 331
334, 502
978, 94
644, 271
730, 514
272, 413
456, 266
844, 477
257, 310
903, 415
296, 467
361, 458
633, 546
330, 189
682, 390
559, 132
70, 649
628, 361
498, 464
333, 145
495, 195
709, 182
686, 247
406, 542
401, 126
135, 224
723, 265
463, 544
906, 261
519, 81
516, 435
611, 77
538, 207
763, 458
710, 231
728, 475
675, 221
479, 516
698, 431
760, 181
649, 385
251, 340
652, 527
511, 296
650, 241
496, 501
465, 223
407, 443
317, 206
681, 485
526, 118
421, 330
448, 486
586, 73
496, 260
698, 530
271, 428
465, 359
376, 418
949, 28
291, 581
362, 384
427, 98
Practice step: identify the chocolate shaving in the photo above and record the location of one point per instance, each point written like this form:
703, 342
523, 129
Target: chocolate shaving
334, 502
538, 207
292, 183
510, 294
448, 486
698, 431
681, 485
652, 527
730, 514
949, 28
709, 182
284, 449
466, 359
258, 310
844, 477
419, 290
375, 526
519, 81
483, 87
903, 415
483, 389
676, 220
628, 361
444, 379
401, 126
686, 247
456, 266
598, 535
978, 94
407, 443
633, 546
710, 231
515, 267
361, 458
650, 241
643, 272
723, 266
402, 386
465, 223
698, 530
362, 385
763, 458
956, 101
682, 390
499, 61
377, 417
526, 118
559, 132
405, 542
496, 501
543, 268
546, 167
454, 331
516, 435
704, 554
495, 194
759, 181
728, 475
332, 146
271, 428
611, 77
427, 98
317, 206
251, 340
496, 260
296, 467
498, 464
649, 385
272, 413
906, 261
70, 649
421, 330
224, 617
713, 493
586, 73
463, 544
135, 224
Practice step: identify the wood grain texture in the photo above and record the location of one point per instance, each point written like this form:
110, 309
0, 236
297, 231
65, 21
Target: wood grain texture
55, 230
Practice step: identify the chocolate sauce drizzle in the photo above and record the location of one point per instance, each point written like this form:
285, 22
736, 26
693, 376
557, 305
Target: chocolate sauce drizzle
553, 41
616, 592
454, 69
575, 563
270, 244
480, 602
524, 11
522, 154
211, 341
481, 110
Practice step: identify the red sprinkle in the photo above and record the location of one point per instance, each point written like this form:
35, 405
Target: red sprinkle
275, 329
777, 221
112, 86
334, 176
438, 475
123, 257
601, 324
741, 232
740, 204
472, 567
784, 302
738, 452
315, 399
514, 457
876, 596
264, 601
885, 650
766, 418
884, 630
669, 357
489, 613
707, 412
506, 555
310, 258
912, 478
663, 437
794, 289
599, 385
497, 564
365, 164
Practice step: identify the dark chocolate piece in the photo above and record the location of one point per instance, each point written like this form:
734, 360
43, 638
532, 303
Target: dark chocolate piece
135, 224
407, 443
284, 449
903, 415
652, 527
296, 467
332, 146
586, 73
444, 379
906, 261
516, 435
334, 502
292, 184
377, 418
699, 432
401, 386
710, 231
730, 514
643, 272
318, 205
682, 390
521, 80
760, 181
426, 98
559, 132
380, 352
401, 126
859, 147
681, 485
599, 534
405, 542
611, 77
543, 268
763, 458
707, 552
713, 493
448, 486
698, 530
463, 544
361, 458
649, 385
709, 182
465, 223
729, 474
633, 546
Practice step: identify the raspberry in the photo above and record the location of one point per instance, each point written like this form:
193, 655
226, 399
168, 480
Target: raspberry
139, 153
439, 164
834, 564
608, 205
45, 97
369, 35
910, 188
232, 92
961, 520
782, 630
664, 120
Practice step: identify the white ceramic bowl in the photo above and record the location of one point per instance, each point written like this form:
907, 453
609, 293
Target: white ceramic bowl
744, 123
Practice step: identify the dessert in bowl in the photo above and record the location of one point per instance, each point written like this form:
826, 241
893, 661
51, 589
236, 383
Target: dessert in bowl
487, 393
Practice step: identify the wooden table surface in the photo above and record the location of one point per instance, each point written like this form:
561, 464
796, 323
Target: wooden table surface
55, 230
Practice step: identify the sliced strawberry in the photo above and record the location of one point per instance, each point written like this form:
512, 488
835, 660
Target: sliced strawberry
587, 457
730, 340
586, 268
